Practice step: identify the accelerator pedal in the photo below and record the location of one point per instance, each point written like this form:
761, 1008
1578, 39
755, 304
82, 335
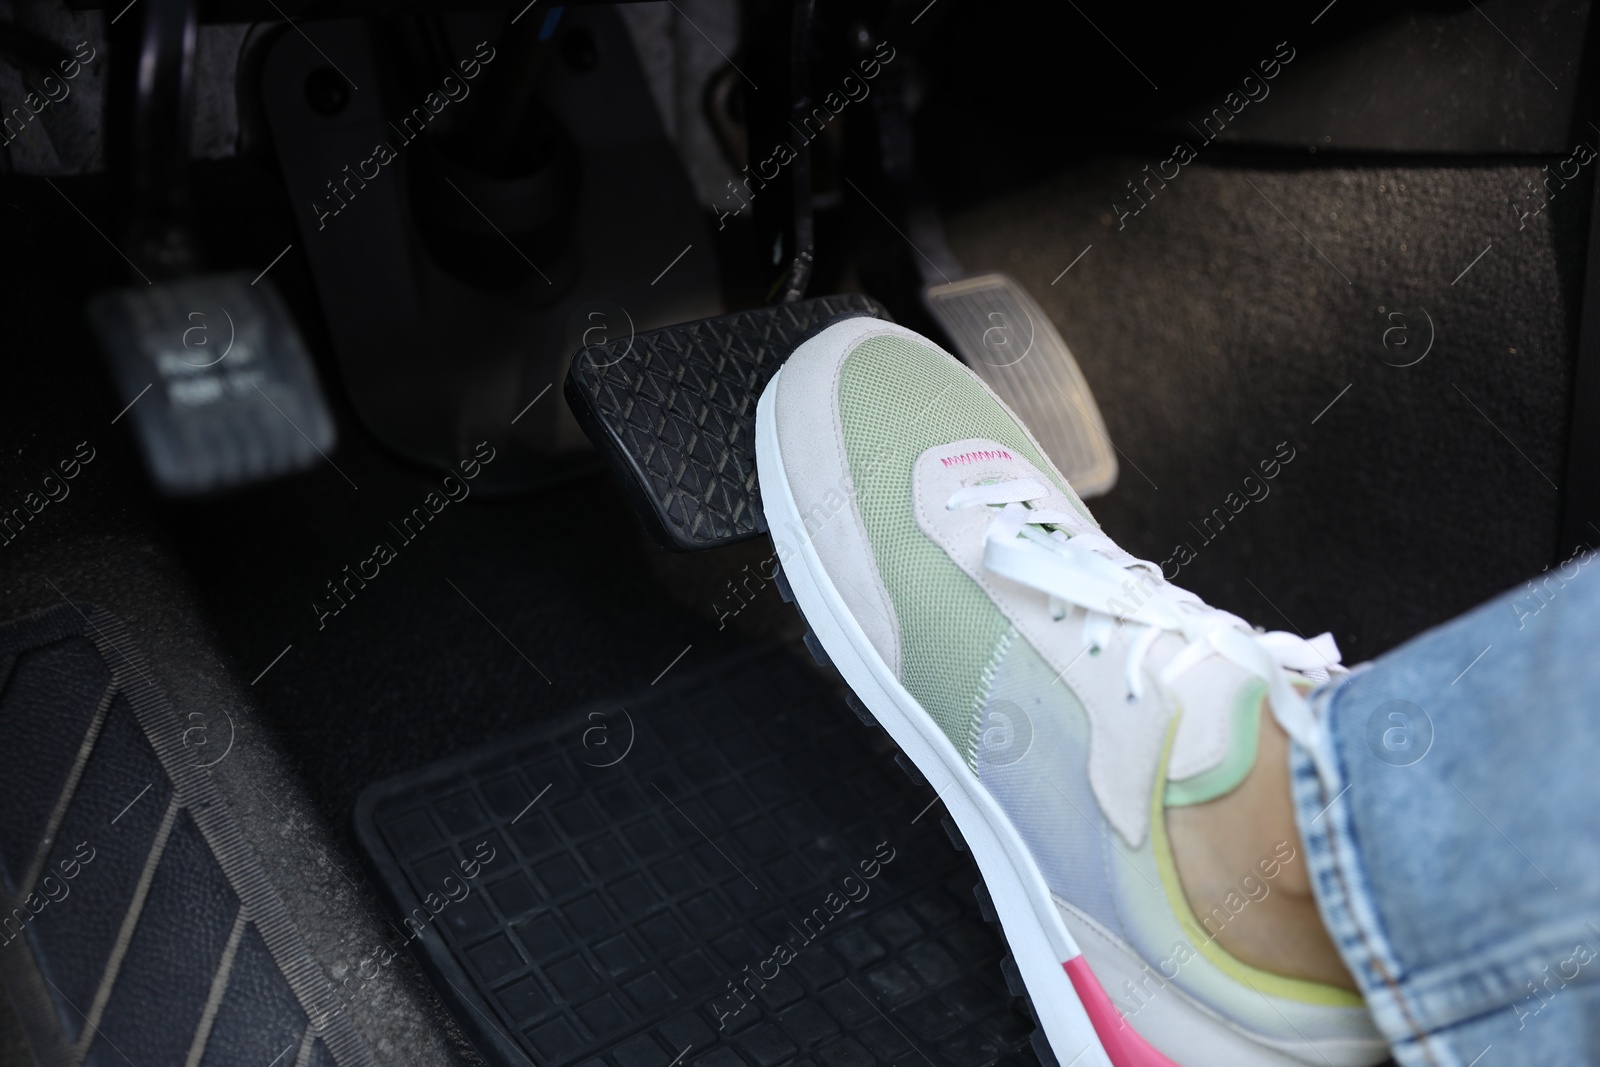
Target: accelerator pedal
1003, 335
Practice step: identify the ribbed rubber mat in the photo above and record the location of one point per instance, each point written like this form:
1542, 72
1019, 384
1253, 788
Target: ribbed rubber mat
137, 924
728, 872
674, 413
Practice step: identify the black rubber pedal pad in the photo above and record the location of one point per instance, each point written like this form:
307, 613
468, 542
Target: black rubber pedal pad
674, 413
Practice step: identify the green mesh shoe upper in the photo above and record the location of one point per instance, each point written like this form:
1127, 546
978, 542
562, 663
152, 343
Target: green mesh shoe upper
898, 398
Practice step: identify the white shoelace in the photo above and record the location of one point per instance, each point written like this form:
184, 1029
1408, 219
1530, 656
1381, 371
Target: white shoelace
1074, 563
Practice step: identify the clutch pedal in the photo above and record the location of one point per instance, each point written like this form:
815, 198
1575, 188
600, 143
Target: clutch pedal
214, 376
217, 382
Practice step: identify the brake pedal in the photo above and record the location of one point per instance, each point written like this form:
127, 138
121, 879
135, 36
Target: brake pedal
674, 412
1002, 334
216, 379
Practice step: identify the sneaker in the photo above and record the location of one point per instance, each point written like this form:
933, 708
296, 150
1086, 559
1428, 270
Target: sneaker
1034, 672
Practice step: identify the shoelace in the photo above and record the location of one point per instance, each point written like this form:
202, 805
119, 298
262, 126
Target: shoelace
1063, 555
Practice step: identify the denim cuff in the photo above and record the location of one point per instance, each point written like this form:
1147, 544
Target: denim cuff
1345, 898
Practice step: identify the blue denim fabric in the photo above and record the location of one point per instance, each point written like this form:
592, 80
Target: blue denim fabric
1456, 854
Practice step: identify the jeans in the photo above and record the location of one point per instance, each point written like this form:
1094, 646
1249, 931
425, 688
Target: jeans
1455, 852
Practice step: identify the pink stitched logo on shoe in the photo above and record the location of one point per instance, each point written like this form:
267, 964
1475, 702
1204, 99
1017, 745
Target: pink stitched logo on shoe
976, 457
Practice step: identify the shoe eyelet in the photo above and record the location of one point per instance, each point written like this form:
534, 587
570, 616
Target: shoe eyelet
1132, 699
1094, 650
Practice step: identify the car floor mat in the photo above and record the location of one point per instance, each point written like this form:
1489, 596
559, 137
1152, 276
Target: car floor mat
138, 925
726, 871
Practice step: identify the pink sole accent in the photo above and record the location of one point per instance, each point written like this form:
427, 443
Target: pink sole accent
1123, 1045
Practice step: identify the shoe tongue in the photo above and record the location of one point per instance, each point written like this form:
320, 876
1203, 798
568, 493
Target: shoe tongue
1215, 746
1220, 725
974, 460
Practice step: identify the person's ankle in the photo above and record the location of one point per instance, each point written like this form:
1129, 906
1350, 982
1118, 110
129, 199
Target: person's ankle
1241, 863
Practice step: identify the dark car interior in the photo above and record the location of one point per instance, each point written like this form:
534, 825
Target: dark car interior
395, 665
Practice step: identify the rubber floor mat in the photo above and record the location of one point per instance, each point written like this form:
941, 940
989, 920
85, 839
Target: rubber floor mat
730, 871
136, 924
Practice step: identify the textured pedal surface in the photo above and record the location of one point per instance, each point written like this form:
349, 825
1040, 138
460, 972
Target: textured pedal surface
674, 413
648, 858
1003, 335
138, 924
219, 387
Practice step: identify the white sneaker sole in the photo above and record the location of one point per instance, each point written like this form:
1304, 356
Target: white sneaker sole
1039, 940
